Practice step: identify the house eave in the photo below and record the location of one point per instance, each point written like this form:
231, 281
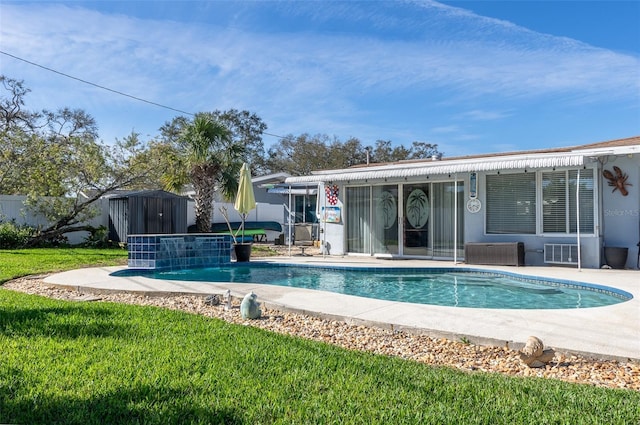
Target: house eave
443, 167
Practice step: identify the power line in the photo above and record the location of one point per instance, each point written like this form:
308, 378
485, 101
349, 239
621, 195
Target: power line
111, 90
97, 85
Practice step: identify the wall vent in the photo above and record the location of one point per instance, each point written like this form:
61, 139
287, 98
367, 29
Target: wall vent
557, 253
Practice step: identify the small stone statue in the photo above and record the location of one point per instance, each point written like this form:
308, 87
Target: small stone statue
227, 299
533, 353
212, 300
250, 307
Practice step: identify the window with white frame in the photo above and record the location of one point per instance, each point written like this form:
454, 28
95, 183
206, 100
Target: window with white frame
567, 197
564, 201
511, 203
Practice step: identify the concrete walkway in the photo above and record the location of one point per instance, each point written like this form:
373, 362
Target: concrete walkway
604, 332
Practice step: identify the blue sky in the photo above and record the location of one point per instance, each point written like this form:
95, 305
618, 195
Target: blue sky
471, 76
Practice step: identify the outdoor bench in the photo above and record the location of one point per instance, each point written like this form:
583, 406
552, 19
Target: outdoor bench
256, 235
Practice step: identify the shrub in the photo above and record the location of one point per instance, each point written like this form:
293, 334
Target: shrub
98, 238
13, 235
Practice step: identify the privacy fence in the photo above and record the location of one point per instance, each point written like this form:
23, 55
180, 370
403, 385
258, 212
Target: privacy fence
13, 208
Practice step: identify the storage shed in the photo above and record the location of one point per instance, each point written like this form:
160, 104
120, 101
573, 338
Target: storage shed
146, 212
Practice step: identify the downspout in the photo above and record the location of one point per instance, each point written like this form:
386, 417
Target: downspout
322, 224
289, 220
599, 208
578, 220
455, 220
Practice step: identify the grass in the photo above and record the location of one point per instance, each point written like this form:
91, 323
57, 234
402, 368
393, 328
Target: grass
84, 363
22, 262
263, 251
80, 363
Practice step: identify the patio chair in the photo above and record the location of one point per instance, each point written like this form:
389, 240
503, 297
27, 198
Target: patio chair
303, 237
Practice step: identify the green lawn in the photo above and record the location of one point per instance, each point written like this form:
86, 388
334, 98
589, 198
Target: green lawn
82, 363
22, 262
79, 363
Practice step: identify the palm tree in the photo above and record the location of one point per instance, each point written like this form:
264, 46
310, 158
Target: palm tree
211, 161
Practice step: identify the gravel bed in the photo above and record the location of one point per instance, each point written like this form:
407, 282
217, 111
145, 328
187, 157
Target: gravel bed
421, 348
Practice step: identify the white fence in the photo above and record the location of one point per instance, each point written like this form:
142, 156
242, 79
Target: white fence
12, 208
263, 212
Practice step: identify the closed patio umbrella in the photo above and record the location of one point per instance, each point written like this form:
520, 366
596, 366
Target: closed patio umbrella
245, 199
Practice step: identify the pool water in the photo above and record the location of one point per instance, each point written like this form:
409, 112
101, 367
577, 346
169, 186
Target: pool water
436, 286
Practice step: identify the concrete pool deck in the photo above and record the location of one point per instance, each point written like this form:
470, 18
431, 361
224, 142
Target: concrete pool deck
603, 332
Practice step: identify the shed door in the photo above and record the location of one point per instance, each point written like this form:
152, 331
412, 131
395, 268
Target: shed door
157, 214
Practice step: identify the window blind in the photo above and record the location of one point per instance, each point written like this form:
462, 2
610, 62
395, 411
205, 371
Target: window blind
559, 208
511, 203
587, 199
554, 202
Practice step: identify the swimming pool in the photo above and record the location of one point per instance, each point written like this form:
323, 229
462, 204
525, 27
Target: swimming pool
457, 287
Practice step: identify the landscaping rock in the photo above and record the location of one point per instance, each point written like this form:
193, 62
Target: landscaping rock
421, 348
533, 353
212, 300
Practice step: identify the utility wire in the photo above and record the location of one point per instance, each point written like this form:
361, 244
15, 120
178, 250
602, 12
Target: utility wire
96, 85
111, 90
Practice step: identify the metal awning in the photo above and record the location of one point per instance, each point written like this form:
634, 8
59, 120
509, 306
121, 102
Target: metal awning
400, 170
293, 191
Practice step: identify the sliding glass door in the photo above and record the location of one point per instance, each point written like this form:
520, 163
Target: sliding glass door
448, 219
417, 214
385, 219
412, 219
358, 218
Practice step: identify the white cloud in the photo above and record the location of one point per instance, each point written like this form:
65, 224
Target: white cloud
307, 79
449, 129
483, 115
120, 46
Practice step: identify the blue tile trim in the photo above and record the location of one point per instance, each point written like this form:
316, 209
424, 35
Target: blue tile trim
180, 251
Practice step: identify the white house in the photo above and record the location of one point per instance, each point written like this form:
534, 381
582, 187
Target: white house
565, 205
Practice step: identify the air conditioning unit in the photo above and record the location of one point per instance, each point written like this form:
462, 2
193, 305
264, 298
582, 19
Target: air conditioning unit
559, 253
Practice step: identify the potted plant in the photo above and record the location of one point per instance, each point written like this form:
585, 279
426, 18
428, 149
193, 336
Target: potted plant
616, 257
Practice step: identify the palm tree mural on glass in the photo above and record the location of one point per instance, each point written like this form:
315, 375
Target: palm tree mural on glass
417, 208
388, 209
